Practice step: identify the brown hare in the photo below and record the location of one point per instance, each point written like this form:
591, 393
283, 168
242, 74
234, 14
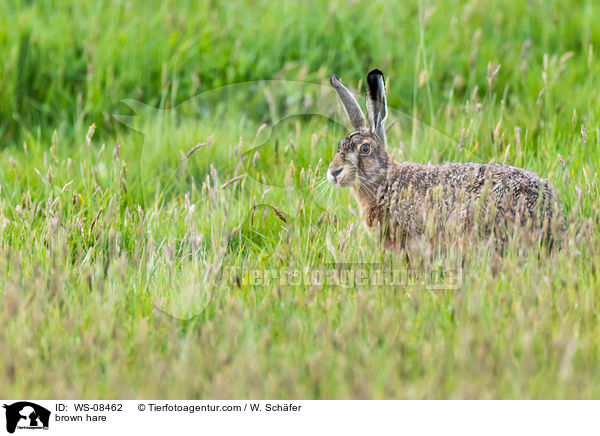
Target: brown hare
412, 202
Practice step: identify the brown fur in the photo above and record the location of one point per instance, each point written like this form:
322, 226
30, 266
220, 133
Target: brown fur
408, 200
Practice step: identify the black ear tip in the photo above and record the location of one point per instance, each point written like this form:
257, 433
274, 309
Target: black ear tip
374, 73
333, 78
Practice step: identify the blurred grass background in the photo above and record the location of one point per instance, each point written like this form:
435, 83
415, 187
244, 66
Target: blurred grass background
101, 228
67, 64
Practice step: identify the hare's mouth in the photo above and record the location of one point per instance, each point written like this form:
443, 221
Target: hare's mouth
334, 176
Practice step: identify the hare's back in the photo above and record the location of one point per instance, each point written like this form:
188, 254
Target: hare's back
513, 190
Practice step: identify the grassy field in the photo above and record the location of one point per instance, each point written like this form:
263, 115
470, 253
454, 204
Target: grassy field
133, 263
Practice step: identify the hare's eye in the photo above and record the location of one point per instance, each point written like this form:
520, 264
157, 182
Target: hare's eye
365, 148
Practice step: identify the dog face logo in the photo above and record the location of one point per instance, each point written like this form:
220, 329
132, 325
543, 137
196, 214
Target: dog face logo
26, 415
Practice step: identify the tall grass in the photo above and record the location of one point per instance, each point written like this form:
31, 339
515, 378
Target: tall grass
126, 257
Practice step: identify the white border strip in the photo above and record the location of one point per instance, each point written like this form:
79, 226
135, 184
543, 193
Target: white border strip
149, 417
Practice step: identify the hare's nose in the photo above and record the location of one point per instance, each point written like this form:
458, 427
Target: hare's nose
333, 175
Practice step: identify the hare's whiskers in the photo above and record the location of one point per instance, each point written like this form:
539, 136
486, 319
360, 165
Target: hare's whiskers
329, 198
324, 191
368, 186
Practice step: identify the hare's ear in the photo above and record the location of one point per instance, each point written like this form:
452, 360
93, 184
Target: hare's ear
376, 103
355, 114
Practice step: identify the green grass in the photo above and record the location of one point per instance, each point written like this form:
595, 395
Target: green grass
99, 249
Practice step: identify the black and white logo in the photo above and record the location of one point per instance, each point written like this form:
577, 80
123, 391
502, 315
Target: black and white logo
26, 415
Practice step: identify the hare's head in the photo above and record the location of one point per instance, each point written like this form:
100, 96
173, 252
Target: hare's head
362, 159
